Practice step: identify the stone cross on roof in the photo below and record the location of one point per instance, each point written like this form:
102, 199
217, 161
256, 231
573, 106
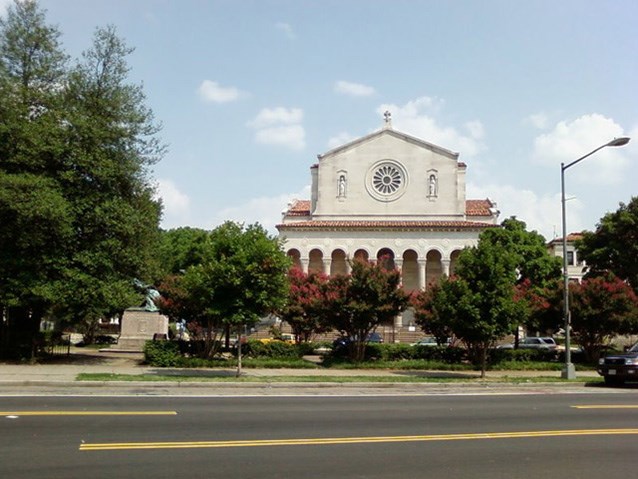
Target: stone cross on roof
388, 120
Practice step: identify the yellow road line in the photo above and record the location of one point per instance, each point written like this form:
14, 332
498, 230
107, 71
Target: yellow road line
88, 413
611, 406
349, 440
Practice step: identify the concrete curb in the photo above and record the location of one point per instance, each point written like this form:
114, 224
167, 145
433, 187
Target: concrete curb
285, 384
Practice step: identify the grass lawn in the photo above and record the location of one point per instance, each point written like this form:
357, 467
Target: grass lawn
184, 376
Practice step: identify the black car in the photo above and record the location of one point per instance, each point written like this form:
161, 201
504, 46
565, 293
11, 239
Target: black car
343, 342
618, 368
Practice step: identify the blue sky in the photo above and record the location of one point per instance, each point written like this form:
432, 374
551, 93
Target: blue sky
249, 92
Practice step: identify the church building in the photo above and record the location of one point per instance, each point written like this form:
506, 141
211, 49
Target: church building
386, 195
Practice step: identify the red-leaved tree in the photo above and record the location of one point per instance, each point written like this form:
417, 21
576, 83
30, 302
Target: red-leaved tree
302, 309
602, 308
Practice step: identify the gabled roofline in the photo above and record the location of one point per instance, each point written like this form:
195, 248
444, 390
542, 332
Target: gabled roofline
397, 134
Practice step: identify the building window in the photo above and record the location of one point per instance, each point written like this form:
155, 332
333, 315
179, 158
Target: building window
570, 258
387, 179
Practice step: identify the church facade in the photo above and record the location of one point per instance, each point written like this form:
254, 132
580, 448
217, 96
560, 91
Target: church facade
390, 196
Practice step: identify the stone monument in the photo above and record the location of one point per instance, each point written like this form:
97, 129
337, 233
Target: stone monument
141, 324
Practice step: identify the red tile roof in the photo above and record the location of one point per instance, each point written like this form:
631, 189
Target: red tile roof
478, 207
400, 225
472, 208
299, 208
570, 238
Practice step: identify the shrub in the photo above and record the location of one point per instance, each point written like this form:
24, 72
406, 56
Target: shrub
521, 355
447, 354
162, 353
273, 349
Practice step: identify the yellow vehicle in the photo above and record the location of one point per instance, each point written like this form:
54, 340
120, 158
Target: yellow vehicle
286, 338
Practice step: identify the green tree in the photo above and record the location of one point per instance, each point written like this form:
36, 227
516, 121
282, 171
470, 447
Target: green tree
180, 248
111, 143
479, 301
357, 303
535, 267
35, 215
81, 141
241, 279
613, 247
427, 313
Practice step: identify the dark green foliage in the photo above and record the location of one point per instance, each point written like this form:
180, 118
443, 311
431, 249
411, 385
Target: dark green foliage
180, 249
522, 355
162, 353
532, 258
613, 247
77, 207
272, 349
238, 276
479, 300
404, 352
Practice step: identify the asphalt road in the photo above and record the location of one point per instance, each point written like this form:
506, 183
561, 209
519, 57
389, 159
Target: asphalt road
486, 436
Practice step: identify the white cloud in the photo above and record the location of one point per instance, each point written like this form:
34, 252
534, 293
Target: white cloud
290, 136
286, 28
540, 213
176, 204
340, 139
476, 129
265, 210
213, 92
353, 89
537, 120
569, 141
281, 127
417, 118
277, 115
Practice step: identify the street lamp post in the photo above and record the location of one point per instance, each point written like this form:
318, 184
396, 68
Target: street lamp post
569, 372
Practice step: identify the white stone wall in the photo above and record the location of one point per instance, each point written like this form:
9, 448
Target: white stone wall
418, 161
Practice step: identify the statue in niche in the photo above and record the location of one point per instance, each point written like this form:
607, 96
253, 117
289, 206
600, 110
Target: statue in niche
341, 187
432, 185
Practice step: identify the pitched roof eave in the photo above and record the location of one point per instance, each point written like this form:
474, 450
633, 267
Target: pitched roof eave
385, 225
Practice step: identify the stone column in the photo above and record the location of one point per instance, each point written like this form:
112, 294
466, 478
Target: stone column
348, 266
422, 278
327, 264
304, 264
446, 267
398, 321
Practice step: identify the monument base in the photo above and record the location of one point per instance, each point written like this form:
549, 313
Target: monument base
139, 326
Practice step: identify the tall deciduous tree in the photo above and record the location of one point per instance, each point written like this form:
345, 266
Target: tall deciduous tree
535, 267
613, 246
81, 141
479, 301
241, 278
35, 215
356, 304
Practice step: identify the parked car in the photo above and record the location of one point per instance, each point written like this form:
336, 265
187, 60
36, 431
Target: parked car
343, 341
533, 342
285, 338
620, 367
430, 341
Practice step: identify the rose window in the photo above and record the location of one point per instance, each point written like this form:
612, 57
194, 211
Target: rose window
387, 179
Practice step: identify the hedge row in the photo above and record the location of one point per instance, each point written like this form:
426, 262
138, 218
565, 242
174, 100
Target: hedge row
172, 353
